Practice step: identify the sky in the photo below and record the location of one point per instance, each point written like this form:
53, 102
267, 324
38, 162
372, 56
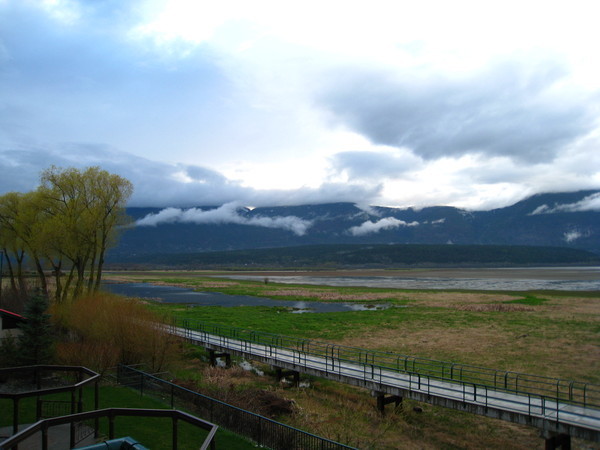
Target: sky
392, 103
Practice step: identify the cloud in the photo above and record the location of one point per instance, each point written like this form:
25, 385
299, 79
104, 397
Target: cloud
158, 184
371, 165
386, 223
202, 105
589, 203
524, 109
226, 214
571, 236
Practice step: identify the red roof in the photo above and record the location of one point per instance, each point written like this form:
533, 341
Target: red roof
11, 314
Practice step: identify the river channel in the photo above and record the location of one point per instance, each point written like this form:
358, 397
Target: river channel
178, 295
520, 279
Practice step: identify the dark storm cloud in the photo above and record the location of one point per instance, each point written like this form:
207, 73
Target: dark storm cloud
519, 109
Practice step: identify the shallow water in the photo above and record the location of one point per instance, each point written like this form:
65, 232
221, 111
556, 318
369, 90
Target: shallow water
178, 295
522, 279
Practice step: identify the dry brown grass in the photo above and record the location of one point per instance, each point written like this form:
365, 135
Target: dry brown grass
551, 347
497, 307
102, 330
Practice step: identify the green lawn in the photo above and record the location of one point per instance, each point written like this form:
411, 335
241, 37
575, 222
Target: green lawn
153, 433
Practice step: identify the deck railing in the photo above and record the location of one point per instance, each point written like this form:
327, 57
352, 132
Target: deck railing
41, 427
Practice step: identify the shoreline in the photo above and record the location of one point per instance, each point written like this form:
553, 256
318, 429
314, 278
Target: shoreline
587, 273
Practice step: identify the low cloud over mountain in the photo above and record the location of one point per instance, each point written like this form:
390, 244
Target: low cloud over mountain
589, 203
574, 222
226, 214
387, 223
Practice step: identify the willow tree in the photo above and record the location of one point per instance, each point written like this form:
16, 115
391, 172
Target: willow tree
11, 239
87, 210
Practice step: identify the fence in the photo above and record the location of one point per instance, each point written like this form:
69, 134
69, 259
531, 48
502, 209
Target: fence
41, 428
577, 393
262, 430
39, 381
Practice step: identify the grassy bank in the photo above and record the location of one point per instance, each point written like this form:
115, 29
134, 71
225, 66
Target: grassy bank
547, 333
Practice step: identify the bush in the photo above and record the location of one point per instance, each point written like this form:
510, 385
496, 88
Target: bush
103, 330
9, 352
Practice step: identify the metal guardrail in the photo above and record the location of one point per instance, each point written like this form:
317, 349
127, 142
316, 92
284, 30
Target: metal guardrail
262, 430
553, 389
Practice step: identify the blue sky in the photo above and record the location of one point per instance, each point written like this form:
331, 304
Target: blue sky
465, 103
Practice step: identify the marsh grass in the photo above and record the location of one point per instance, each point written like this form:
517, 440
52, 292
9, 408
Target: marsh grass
554, 334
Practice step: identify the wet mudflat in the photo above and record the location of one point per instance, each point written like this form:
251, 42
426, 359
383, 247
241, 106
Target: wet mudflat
497, 279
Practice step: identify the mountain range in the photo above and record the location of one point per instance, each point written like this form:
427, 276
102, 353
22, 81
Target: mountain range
567, 220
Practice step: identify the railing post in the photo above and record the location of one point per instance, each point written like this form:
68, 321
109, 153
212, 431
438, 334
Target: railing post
571, 390
96, 407
38, 408
111, 425
15, 415
80, 401
175, 431
172, 396
72, 434
259, 431
45, 436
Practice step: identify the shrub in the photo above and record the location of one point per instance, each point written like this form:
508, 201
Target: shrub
36, 342
105, 329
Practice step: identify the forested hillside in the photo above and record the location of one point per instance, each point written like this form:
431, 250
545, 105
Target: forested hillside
565, 220
336, 256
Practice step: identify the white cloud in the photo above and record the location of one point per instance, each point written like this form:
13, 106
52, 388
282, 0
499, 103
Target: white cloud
589, 203
204, 103
571, 236
386, 223
225, 214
